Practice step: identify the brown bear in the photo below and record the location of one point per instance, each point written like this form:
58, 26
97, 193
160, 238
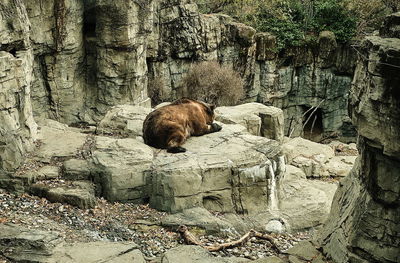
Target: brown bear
168, 127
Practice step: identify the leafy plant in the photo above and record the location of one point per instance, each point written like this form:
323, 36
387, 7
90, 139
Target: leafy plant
293, 21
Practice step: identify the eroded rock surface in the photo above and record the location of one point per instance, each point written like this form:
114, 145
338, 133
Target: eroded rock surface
17, 126
88, 56
260, 120
225, 171
319, 160
189, 254
29, 245
365, 212
231, 171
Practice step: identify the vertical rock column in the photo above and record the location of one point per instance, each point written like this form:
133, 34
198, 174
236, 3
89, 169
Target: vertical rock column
17, 127
121, 30
364, 225
58, 90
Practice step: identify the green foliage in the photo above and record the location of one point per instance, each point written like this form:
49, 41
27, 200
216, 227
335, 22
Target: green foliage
293, 21
287, 32
330, 15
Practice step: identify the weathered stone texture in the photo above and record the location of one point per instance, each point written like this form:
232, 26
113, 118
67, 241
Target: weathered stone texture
304, 77
123, 120
89, 56
260, 120
364, 224
236, 176
119, 168
20, 244
58, 88
92, 55
17, 127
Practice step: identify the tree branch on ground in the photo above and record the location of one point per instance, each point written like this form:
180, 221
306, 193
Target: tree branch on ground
190, 239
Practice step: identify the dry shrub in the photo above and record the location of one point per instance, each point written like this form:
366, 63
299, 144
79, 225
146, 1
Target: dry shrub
209, 82
155, 89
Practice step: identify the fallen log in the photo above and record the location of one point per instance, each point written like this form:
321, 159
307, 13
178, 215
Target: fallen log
190, 239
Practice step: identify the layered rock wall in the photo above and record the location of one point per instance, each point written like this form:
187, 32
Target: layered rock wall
364, 225
89, 56
92, 55
310, 84
17, 127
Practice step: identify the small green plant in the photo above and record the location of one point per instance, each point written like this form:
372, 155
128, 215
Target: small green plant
209, 82
330, 15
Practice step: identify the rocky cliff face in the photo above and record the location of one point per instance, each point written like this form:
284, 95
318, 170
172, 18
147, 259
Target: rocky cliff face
296, 80
91, 55
364, 225
17, 127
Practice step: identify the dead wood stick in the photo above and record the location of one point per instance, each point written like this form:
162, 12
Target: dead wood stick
269, 238
236, 243
190, 239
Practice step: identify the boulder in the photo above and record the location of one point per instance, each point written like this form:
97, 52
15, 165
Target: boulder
77, 169
311, 150
119, 252
226, 171
58, 141
21, 244
46, 172
124, 120
304, 203
319, 160
340, 166
192, 254
80, 193
304, 250
119, 166
260, 120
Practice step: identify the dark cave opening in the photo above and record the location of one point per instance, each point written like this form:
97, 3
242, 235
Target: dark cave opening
312, 123
89, 23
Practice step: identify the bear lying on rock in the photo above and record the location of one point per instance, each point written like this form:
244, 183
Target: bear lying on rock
169, 127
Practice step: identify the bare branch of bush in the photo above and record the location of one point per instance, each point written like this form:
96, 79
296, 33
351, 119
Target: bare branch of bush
209, 82
155, 89
190, 239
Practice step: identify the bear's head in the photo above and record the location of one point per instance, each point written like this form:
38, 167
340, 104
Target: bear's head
209, 112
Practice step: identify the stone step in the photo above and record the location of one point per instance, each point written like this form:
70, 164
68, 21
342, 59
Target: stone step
76, 193
21, 244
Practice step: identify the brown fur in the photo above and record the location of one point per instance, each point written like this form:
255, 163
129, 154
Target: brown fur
168, 127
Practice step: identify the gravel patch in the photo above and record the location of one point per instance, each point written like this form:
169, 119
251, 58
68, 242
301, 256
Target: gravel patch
121, 222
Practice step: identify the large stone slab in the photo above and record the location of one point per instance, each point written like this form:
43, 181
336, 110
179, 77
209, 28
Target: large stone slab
79, 193
119, 166
303, 203
20, 244
317, 160
119, 252
124, 120
227, 171
28, 245
259, 119
191, 254
58, 141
